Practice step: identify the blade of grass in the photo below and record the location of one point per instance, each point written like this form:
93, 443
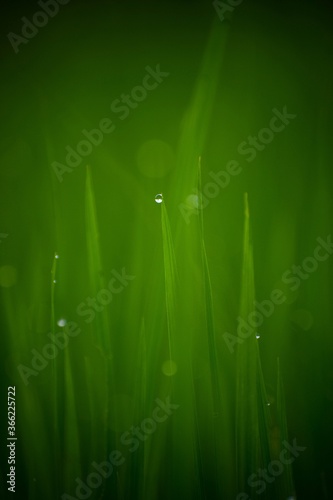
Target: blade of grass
103, 398
220, 418
286, 484
72, 449
57, 383
247, 435
196, 120
181, 427
139, 463
170, 274
252, 417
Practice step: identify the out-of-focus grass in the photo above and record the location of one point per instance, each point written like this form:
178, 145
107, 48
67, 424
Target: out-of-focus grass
221, 414
171, 278
279, 434
107, 379
102, 395
57, 382
250, 453
255, 432
193, 451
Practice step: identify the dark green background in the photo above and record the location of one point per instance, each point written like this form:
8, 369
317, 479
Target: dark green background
266, 55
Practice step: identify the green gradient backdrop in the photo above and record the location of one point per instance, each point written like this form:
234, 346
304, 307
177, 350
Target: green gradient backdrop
225, 78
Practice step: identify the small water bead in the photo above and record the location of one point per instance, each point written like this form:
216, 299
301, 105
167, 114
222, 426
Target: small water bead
56, 256
257, 336
159, 198
61, 322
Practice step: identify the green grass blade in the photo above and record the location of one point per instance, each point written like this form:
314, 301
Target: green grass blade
247, 430
170, 274
286, 486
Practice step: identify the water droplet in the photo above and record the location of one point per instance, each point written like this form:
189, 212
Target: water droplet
56, 256
257, 336
54, 281
268, 403
159, 198
61, 322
